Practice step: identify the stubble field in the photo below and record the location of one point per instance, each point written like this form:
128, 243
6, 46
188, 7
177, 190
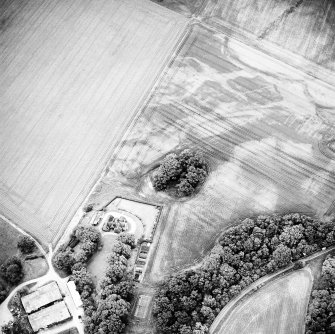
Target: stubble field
73, 74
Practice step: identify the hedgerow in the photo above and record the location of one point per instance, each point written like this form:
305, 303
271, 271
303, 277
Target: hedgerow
107, 312
321, 309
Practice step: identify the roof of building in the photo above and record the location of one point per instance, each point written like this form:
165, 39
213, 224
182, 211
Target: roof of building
72, 330
48, 316
74, 293
43, 296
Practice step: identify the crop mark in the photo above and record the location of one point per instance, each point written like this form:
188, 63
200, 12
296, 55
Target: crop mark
274, 24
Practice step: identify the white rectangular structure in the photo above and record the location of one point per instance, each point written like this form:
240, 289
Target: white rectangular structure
74, 294
51, 315
43, 296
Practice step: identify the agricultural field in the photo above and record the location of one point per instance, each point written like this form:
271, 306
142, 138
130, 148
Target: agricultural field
73, 75
262, 125
94, 94
293, 30
278, 307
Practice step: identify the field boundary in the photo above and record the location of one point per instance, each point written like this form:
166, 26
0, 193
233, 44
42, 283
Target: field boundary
128, 127
269, 48
272, 51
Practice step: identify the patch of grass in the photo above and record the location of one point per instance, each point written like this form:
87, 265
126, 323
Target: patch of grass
8, 240
99, 261
34, 268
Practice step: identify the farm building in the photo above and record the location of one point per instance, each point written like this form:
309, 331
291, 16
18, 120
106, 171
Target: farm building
142, 308
74, 294
43, 296
51, 315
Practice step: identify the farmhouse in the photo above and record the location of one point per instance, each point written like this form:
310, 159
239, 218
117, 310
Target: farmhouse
51, 315
42, 297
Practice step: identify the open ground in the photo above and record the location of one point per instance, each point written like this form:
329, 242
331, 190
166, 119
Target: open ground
73, 76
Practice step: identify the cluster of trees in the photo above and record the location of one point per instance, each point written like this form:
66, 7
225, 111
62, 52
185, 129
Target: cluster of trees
117, 225
321, 309
183, 172
108, 311
12, 270
89, 241
25, 244
20, 324
3, 292
15, 327
245, 253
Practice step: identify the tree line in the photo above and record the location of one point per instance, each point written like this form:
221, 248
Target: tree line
89, 240
321, 308
188, 302
106, 311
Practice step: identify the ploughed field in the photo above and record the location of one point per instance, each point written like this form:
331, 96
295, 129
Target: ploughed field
288, 29
279, 307
73, 75
260, 123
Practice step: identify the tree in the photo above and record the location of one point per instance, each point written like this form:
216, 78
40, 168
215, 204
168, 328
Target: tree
88, 208
25, 244
127, 238
3, 292
282, 256
243, 254
12, 270
14, 327
321, 306
184, 172
64, 260
200, 329
88, 233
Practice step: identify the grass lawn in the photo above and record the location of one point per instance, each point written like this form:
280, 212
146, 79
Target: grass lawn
8, 240
35, 268
98, 263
